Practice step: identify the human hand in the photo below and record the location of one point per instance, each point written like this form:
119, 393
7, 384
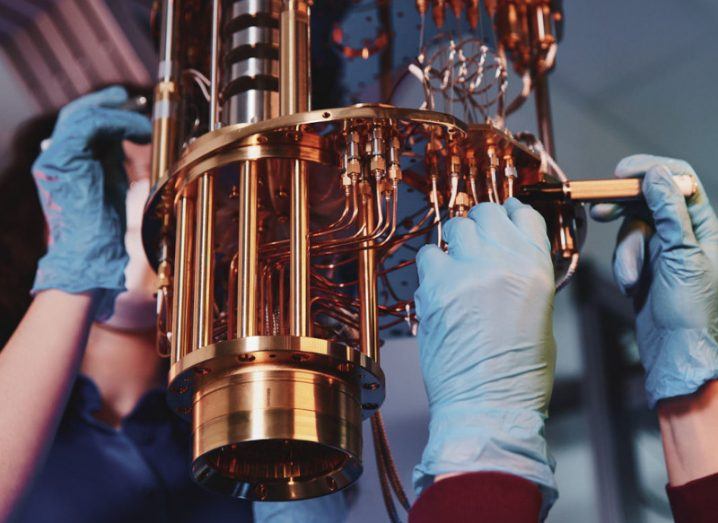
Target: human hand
666, 258
486, 345
82, 187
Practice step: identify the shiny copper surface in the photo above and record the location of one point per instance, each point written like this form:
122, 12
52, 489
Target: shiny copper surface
278, 241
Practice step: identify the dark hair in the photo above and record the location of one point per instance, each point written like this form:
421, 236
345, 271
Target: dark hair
22, 223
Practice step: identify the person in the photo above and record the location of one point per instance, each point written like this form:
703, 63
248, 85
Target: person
487, 350
89, 436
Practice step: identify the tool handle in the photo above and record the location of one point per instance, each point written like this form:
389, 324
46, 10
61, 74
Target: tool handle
619, 189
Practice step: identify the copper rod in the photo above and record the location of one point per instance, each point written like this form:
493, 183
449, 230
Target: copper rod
247, 244
299, 252
367, 284
619, 189
232, 298
181, 314
294, 58
202, 319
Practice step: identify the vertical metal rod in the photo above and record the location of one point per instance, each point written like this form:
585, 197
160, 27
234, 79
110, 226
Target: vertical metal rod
386, 57
165, 96
299, 253
181, 314
203, 316
294, 96
214, 64
167, 35
543, 113
294, 58
247, 258
369, 331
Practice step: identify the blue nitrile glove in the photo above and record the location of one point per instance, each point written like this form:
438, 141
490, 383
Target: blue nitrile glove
672, 275
326, 509
82, 185
486, 346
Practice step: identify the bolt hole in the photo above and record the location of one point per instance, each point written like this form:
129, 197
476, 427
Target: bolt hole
326, 114
243, 358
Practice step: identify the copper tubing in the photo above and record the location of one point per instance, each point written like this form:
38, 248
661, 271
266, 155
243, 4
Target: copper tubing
369, 331
294, 62
299, 252
542, 98
202, 319
248, 253
181, 314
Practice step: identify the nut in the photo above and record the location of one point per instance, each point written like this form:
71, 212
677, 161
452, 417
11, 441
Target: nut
378, 163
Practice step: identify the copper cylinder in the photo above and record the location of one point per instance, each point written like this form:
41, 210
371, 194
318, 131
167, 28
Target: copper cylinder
299, 252
181, 341
247, 255
294, 61
369, 322
203, 303
278, 417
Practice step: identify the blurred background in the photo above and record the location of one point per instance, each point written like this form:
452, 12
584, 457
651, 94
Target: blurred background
631, 76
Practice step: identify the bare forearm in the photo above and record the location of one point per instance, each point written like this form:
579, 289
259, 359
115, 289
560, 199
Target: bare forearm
37, 368
689, 425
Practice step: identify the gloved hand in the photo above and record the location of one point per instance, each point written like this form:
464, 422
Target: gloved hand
82, 186
667, 260
486, 346
326, 509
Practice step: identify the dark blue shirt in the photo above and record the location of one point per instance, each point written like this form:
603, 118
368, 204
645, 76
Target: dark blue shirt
137, 473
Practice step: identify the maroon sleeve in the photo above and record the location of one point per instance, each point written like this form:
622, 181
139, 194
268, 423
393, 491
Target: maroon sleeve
479, 497
696, 501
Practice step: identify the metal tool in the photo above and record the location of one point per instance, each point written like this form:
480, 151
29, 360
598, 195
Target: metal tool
594, 191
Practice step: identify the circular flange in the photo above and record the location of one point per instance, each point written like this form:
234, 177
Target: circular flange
289, 137
293, 352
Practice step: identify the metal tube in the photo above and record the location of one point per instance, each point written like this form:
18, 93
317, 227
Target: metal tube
627, 189
181, 324
166, 96
214, 65
166, 66
247, 258
299, 252
369, 331
294, 58
202, 320
543, 113
596, 191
